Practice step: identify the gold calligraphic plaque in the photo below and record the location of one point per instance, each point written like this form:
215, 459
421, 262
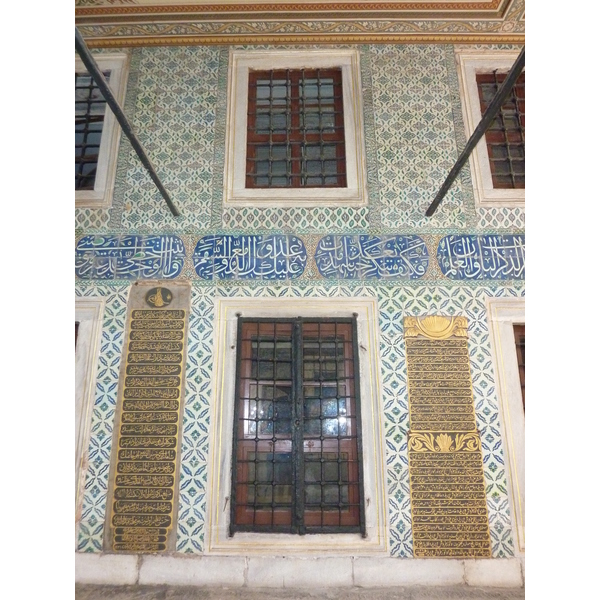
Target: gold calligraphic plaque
143, 491
449, 510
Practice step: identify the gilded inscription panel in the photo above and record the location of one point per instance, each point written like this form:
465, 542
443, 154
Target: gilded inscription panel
143, 494
449, 509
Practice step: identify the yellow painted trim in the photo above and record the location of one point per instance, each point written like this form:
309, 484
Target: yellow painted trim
359, 38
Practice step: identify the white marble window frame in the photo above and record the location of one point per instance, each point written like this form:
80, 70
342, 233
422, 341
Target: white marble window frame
235, 191
217, 539
469, 64
89, 312
102, 194
503, 313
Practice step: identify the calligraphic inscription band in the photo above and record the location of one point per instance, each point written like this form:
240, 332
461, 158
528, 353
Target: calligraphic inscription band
463, 257
445, 465
372, 257
256, 257
147, 433
129, 257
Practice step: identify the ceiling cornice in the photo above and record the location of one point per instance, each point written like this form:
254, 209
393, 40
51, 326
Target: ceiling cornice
122, 23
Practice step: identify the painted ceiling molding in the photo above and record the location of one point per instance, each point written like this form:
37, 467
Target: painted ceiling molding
123, 23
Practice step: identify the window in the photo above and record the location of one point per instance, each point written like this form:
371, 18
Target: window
294, 129
505, 137
498, 161
96, 132
507, 318
290, 369
297, 428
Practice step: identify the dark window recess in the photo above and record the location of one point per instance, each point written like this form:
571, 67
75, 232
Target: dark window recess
76, 333
505, 137
520, 343
90, 107
297, 464
295, 129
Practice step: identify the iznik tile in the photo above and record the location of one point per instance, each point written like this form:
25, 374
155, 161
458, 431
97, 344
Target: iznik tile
482, 257
369, 256
129, 257
263, 257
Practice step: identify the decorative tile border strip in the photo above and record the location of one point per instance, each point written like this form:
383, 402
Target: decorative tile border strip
372, 257
129, 257
145, 468
263, 257
445, 465
284, 257
482, 257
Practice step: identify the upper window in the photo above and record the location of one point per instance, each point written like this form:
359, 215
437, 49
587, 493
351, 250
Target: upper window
96, 132
505, 137
294, 132
295, 129
498, 161
297, 428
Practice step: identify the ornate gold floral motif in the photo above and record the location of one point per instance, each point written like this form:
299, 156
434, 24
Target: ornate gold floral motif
435, 327
443, 442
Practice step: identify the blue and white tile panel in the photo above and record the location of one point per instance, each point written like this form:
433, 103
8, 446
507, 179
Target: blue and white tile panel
261, 257
129, 257
284, 257
482, 257
371, 257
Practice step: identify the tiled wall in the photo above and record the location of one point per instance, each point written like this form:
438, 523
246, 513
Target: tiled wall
413, 126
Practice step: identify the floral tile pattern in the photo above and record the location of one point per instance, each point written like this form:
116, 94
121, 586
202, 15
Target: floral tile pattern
174, 117
416, 145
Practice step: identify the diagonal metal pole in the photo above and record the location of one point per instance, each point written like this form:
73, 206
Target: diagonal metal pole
98, 77
488, 117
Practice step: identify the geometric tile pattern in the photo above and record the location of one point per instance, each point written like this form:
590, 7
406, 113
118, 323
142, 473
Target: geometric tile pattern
91, 527
501, 217
482, 257
91, 218
298, 220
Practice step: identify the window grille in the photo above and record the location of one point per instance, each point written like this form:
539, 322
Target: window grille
520, 344
505, 137
295, 129
297, 453
90, 107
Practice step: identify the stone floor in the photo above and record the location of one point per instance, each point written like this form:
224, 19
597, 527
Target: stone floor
135, 592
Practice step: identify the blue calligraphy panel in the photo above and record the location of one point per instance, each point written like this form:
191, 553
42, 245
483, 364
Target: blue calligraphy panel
259, 257
129, 257
482, 257
372, 257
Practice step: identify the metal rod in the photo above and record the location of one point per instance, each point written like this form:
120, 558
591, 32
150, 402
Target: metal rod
98, 77
485, 122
